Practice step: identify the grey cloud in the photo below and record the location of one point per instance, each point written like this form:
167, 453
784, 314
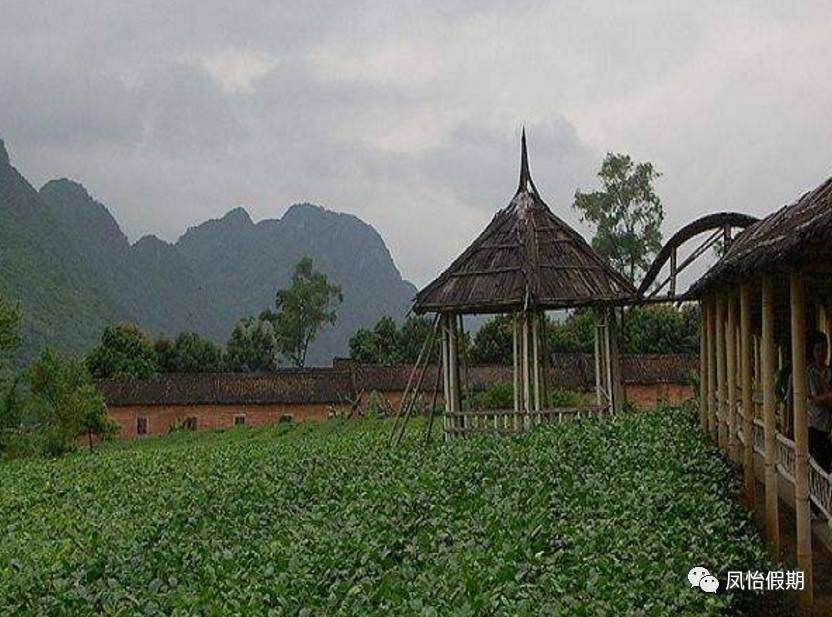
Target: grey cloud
408, 115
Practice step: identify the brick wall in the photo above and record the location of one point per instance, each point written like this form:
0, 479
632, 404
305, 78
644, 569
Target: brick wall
160, 418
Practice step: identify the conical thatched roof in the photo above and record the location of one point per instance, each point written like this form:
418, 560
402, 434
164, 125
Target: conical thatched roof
527, 257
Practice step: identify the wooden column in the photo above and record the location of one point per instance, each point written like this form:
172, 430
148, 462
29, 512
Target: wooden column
703, 366
618, 395
769, 402
721, 386
516, 356
524, 344
801, 442
746, 361
536, 361
597, 359
731, 383
712, 422
446, 374
453, 365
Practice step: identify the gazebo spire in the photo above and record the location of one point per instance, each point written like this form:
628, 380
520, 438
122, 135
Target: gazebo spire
526, 183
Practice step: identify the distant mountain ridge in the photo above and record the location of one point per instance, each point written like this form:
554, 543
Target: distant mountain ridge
64, 257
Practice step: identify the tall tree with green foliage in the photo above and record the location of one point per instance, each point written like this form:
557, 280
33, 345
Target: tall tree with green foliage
493, 341
252, 346
125, 351
389, 344
626, 213
188, 353
306, 306
64, 398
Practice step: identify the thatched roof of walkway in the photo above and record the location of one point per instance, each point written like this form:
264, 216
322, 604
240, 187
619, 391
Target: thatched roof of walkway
797, 235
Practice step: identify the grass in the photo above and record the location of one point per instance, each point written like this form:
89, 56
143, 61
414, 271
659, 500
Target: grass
593, 517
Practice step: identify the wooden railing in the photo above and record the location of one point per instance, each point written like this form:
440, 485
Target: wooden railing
507, 421
820, 481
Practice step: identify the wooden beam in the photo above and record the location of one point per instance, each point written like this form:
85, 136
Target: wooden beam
618, 394
769, 403
731, 383
721, 386
536, 359
525, 360
703, 366
446, 392
746, 385
801, 443
673, 273
712, 421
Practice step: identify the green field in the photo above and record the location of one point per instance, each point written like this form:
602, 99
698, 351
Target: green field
587, 518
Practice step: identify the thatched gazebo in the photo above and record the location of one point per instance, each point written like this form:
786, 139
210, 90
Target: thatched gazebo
526, 261
757, 302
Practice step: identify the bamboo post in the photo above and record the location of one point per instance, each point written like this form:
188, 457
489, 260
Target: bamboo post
618, 394
712, 419
454, 351
721, 386
757, 372
526, 376
801, 443
747, 405
767, 377
597, 361
516, 354
536, 362
731, 384
544, 360
446, 379
703, 358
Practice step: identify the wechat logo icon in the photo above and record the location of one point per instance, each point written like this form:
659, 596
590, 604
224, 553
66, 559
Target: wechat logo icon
700, 577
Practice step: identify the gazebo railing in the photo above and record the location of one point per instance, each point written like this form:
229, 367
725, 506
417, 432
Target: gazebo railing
508, 421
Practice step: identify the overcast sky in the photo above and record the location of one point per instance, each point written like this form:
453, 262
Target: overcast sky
409, 116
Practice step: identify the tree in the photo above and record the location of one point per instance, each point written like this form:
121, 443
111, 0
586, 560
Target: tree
388, 344
626, 212
252, 346
125, 351
10, 319
493, 341
189, 353
661, 328
303, 309
412, 335
66, 401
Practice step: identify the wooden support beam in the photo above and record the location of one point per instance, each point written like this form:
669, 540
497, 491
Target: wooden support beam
446, 392
801, 443
703, 366
672, 290
731, 382
617, 392
769, 403
598, 367
525, 362
746, 384
712, 420
453, 364
721, 386
536, 360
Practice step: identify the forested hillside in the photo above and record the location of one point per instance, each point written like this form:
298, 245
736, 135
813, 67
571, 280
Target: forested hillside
65, 259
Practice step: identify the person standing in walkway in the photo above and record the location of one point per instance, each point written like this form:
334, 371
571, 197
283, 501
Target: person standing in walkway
819, 388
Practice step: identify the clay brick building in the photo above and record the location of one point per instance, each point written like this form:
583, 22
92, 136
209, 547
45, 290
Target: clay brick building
222, 400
